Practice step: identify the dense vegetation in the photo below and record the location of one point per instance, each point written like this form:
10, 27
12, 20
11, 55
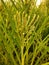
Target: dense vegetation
24, 33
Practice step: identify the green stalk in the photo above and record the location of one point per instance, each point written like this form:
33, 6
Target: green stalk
40, 48
22, 56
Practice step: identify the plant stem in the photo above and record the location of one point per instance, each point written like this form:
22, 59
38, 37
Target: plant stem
22, 56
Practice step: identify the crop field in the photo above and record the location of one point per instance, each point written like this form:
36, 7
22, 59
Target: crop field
24, 32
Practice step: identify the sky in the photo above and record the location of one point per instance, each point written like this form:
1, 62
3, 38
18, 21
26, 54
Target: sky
37, 4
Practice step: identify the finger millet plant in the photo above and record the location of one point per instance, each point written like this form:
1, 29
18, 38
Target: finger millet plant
24, 33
